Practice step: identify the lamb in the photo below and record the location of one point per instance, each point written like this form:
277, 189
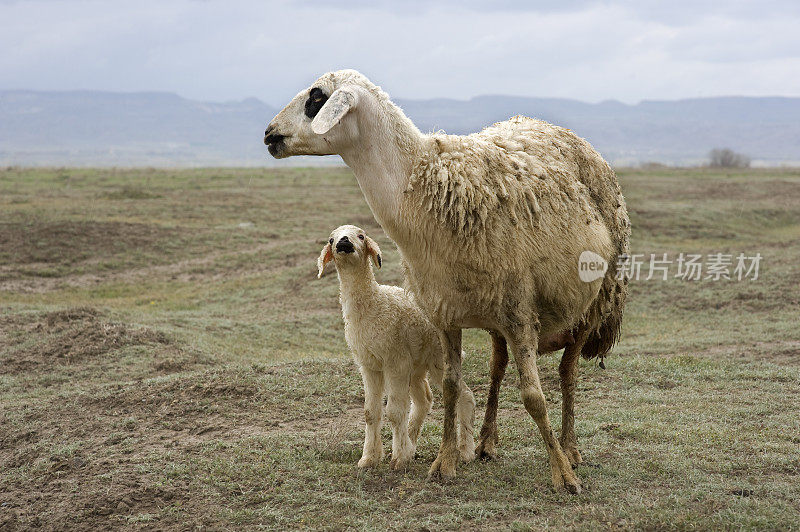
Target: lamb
394, 346
491, 227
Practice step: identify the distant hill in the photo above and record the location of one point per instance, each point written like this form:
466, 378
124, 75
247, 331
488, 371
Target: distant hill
89, 127
674, 132
163, 129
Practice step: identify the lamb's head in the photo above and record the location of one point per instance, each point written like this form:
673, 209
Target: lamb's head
320, 119
349, 248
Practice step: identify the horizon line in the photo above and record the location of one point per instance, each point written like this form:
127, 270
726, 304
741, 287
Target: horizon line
400, 98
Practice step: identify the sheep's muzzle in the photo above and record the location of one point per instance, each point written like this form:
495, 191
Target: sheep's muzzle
274, 141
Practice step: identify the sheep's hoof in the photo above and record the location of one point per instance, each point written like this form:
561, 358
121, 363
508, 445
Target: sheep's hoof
485, 451
369, 461
573, 455
442, 469
567, 481
573, 488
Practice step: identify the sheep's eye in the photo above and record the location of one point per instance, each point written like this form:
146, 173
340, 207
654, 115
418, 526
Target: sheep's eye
330, 241
316, 99
361, 237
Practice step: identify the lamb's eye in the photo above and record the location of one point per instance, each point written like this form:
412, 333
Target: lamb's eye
316, 99
361, 237
330, 241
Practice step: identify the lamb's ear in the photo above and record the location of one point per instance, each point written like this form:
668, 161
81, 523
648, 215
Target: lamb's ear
325, 256
339, 103
374, 252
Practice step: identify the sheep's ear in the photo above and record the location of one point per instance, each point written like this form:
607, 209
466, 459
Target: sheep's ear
325, 256
339, 103
374, 252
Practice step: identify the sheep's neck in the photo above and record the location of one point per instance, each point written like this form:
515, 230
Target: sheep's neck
382, 161
382, 178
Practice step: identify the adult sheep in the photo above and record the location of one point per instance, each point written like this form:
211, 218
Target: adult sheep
490, 227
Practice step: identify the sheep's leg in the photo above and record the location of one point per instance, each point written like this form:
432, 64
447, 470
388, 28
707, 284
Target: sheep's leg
568, 371
488, 437
465, 413
373, 415
524, 347
397, 414
422, 399
445, 464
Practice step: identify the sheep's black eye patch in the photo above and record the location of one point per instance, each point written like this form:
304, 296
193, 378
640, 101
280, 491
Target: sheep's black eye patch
316, 99
330, 241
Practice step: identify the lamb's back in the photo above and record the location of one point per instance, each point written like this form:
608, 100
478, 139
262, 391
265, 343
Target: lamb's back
393, 333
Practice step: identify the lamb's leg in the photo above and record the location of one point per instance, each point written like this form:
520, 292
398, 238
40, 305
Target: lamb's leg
422, 399
445, 463
488, 436
397, 387
568, 371
373, 415
524, 343
465, 413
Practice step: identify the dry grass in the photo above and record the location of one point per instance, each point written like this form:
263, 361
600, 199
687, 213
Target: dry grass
169, 360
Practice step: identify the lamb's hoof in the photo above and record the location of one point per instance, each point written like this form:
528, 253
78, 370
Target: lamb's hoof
442, 469
400, 463
485, 451
369, 461
466, 449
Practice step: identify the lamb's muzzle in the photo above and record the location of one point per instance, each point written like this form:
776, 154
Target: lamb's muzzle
344, 245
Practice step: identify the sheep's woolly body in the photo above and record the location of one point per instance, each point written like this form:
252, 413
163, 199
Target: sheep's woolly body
507, 170
528, 186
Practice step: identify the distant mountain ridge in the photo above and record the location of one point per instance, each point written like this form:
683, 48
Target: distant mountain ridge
145, 128
164, 129
677, 132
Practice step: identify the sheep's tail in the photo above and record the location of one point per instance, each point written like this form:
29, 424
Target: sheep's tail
604, 318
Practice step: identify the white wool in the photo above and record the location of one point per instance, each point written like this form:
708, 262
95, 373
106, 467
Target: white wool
391, 341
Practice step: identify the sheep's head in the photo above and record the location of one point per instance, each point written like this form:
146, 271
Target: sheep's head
348, 246
318, 121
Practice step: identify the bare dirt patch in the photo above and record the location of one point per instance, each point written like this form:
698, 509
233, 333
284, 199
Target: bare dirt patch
66, 242
776, 191
125, 428
71, 336
783, 352
779, 352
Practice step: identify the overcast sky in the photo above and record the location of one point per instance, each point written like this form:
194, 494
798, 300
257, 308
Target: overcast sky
224, 50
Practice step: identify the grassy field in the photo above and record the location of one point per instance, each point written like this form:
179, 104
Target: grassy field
168, 359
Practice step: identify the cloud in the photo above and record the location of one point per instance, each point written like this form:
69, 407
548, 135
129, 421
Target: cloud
590, 50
